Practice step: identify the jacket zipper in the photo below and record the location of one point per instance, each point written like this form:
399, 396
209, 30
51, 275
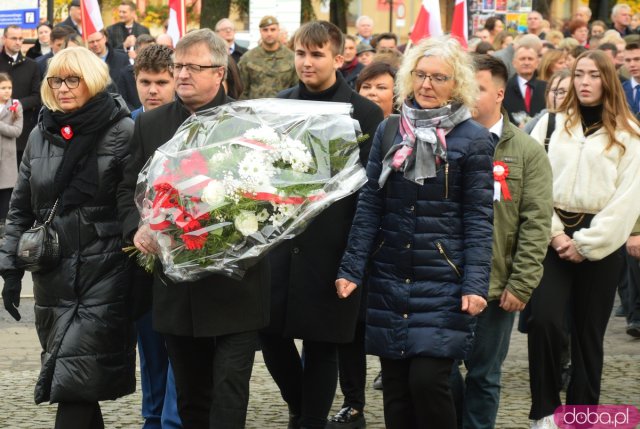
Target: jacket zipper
446, 180
375, 252
446, 257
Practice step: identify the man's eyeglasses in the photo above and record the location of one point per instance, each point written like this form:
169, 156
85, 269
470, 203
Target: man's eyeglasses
192, 68
435, 78
225, 29
56, 82
559, 92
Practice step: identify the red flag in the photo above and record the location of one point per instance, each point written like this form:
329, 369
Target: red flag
177, 20
428, 23
91, 17
459, 26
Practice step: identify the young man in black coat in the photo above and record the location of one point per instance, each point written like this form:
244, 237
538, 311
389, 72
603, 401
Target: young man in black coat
210, 325
304, 300
25, 76
123, 34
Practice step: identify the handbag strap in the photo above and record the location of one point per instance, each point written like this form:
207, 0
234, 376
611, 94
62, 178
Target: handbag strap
52, 213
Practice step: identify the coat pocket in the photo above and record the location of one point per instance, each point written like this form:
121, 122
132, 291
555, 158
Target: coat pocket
449, 261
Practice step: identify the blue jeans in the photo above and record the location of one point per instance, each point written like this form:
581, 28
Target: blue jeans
478, 396
159, 399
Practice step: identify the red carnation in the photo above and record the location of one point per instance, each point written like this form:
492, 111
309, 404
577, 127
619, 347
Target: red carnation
194, 242
194, 164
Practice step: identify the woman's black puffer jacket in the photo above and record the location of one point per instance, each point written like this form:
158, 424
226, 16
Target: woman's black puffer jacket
86, 334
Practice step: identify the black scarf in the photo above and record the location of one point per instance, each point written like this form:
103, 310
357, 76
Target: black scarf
76, 180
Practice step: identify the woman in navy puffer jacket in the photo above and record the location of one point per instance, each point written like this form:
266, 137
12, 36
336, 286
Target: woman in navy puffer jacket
423, 230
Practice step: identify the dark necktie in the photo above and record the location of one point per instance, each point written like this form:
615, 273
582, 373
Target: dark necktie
636, 98
527, 97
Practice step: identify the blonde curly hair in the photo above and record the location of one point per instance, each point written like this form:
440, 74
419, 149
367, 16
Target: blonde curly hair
451, 52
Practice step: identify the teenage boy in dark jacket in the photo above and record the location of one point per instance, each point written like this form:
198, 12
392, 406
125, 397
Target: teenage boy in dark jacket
304, 301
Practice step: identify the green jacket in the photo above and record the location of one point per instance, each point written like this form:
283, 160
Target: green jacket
521, 226
264, 74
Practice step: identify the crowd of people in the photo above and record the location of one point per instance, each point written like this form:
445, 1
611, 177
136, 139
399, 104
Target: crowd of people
501, 179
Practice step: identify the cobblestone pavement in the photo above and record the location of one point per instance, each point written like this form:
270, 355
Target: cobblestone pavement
19, 364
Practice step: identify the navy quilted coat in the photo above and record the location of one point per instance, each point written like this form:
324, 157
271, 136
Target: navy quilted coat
424, 246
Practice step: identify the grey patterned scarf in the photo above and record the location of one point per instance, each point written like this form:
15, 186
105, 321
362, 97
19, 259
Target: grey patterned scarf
423, 139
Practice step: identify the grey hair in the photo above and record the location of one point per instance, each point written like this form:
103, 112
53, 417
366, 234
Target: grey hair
530, 41
450, 51
362, 18
206, 36
222, 21
618, 7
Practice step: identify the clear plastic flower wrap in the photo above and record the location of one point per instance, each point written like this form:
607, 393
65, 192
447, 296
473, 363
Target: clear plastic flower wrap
238, 179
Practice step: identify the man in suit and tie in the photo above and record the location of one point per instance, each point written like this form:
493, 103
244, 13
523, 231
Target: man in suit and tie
524, 93
632, 86
227, 30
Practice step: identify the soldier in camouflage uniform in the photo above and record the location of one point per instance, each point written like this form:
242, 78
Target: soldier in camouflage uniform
268, 68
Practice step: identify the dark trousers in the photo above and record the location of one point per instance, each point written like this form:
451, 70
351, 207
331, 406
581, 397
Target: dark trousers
352, 368
633, 289
307, 384
5, 197
212, 378
478, 396
588, 290
417, 394
79, 415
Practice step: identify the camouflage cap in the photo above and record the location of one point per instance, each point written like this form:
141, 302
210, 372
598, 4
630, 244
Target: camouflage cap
267, 21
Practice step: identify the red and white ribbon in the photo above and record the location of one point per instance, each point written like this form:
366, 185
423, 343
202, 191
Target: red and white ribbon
500, 174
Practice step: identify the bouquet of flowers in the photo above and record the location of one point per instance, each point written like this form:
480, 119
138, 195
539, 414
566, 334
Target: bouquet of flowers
236, 180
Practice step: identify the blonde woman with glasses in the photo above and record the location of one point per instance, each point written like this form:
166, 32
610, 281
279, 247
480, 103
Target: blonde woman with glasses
72, 165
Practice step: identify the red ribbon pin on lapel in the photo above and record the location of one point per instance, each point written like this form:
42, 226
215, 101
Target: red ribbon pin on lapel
66, 132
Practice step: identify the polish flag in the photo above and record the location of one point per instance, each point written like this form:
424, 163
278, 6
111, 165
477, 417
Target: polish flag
177, 20
428, 22
460, 26
91, 17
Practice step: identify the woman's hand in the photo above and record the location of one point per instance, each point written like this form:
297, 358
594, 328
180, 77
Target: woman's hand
145, 241
570, 253
473, 304
345, 287
560, 242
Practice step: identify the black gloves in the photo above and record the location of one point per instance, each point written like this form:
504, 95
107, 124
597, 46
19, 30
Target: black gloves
11, 293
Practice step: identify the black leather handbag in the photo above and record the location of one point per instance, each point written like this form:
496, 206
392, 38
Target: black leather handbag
38, 248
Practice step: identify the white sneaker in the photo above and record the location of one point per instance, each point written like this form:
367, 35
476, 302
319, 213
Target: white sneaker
544, 423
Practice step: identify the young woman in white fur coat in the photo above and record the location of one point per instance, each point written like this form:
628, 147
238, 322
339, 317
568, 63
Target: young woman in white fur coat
595, 157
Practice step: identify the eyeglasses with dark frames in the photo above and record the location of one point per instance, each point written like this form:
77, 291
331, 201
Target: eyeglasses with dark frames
192, 68
559, 92
56, 82
434, 78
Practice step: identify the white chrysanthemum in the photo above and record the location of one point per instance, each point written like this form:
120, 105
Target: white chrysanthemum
264, 134
262, 215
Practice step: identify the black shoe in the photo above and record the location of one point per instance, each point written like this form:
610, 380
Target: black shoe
347, 418
633, 329
377, 382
